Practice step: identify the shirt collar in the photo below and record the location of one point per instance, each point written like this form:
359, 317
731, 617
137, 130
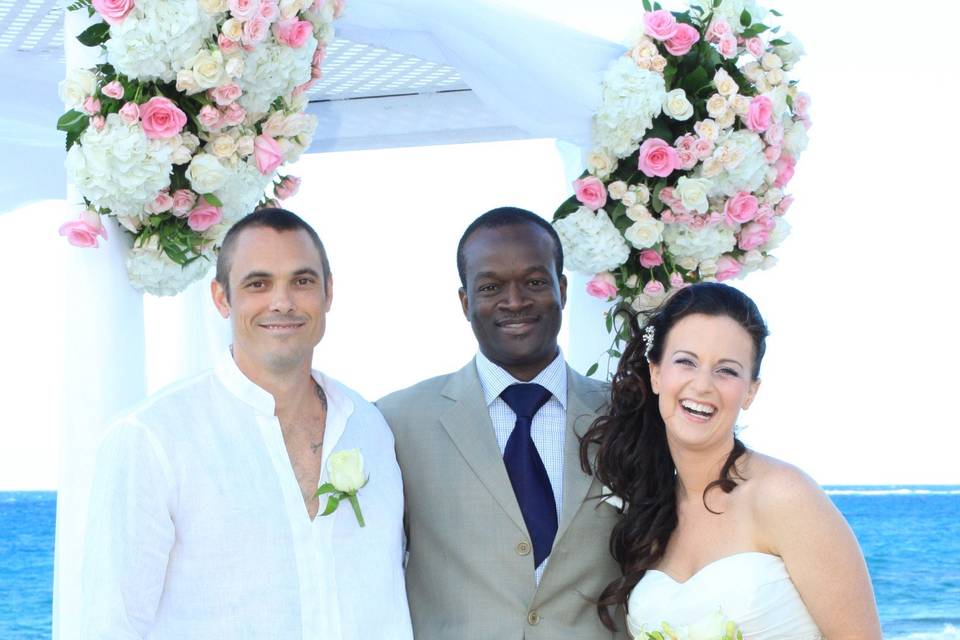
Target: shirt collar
494, 379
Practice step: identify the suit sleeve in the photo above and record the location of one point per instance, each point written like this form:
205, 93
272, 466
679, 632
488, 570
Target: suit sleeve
130, 533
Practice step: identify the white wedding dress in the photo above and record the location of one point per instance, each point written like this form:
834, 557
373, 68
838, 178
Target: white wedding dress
751, 589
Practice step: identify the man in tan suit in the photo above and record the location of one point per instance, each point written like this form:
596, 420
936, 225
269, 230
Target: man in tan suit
503, 541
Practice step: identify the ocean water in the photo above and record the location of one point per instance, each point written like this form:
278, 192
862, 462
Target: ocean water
909, 535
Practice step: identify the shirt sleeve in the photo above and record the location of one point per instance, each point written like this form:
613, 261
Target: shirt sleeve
130, 532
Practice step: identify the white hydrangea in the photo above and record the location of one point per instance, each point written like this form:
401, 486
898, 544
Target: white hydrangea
705, 243
118, 168
273, 70
742, 161
795, 139
780, 232
632, 98
791, 52
150, 270
158, 37
241, 191
591, 243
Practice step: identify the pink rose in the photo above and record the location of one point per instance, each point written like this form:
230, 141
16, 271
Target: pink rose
210, 117
718, 29
683, 40
203, 216
657, 158
755, 47
293, 33
784, 205
603, 286
112, 89
752, 236
225, 94
760, 114
686, 160
227, 46
703, 148
676, 281
269, 10
91, 105
233, 114
667, 217
660, 25
83, 232
161, 118
130, 113
654, 288
287, 188
727, 267
590, 192
163, 202
741, 208
667, 198
650, 259
243, 9
267, 154
774, 133
98, 122
784, 167
801, 105
254, 31
727, 46
113, 11
685, 142
183, 201
772, 153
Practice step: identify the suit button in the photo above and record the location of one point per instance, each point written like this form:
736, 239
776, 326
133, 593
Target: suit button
523, 548
533, 618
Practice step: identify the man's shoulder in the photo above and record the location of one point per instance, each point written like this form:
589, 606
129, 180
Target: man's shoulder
419, 396
177, 399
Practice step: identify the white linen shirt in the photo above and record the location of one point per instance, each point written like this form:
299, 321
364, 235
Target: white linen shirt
547, 429
198, 528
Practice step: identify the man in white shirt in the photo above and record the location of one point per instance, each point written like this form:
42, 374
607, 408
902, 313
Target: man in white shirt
204, 521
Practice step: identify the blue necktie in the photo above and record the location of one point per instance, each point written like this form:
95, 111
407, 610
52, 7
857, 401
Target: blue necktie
527, 474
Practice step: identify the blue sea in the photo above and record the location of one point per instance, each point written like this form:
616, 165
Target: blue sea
910, 537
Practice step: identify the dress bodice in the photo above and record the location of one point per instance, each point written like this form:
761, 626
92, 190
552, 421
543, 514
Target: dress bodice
752, 589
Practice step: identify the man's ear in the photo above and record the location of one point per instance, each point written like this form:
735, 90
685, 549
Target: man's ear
563, 291
221, 299
328, 292
464, 303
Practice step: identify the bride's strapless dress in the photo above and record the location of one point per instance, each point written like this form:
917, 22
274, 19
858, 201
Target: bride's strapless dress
752, 589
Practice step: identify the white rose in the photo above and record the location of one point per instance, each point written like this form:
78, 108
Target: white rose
726, 86
752, 71
763, 85
709, 628
712, 167
234, 67
751, 259
190, 141
740, 105
773, 197
769, 262
206, 173
222, 146
187, 82
775, 77
643, 193
629, 198
791, 52
658, 64
77, 86
771, 61
632, 281
644, 233
676, 105
687, 262
232, 29
707, 268
601, 164
617, 189
244, 145
181, 155
795, 139
346, 470
693, 193
638, 212
716, 105
290, 8
707, 129
213, 6
726, 119
208, 68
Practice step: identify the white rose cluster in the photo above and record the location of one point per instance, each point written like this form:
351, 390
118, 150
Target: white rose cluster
632, 98
691, 246
591, 243
158, 38
118, 168
273, 70
730, 10
739, 161
150, 270
75, 88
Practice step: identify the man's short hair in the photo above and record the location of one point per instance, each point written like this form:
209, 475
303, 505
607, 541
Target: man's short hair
271, 218
505, 217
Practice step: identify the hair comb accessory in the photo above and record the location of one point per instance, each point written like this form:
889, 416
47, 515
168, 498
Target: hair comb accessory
648, 334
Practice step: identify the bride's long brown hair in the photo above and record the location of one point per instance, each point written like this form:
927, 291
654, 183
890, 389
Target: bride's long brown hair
626, 449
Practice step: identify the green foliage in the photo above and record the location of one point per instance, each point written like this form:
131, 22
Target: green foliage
646, 6
95, 35
593, 369
74, 123
745, 18
212, 199
80, 4
567, 207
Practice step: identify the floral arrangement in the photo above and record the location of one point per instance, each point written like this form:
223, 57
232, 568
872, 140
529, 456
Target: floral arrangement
714, 627
181, 130
695, 140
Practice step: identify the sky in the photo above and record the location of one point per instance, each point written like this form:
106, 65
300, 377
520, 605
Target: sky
862, 367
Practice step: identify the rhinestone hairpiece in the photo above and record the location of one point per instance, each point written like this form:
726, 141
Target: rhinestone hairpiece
648, 340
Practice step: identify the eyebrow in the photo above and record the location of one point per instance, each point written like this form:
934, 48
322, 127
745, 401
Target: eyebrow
730, 360
253, 275
494, 275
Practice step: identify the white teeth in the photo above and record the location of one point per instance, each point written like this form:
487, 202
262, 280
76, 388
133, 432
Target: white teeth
696, 406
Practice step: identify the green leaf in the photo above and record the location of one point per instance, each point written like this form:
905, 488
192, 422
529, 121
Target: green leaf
332, 503
95, 34
73, 120
212, 199
72, 138
592, 370
646, 6
356, 510
717, 3
655, 196
745, 18
779, 42
776, 13
613, 353
326, 487
609, 322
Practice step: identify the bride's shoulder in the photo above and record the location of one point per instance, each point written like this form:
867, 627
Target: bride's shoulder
776, 486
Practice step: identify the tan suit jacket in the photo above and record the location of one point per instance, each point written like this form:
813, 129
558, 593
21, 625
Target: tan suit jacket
470, 573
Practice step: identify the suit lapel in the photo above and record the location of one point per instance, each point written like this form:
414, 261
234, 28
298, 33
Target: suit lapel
467, 422
581, 411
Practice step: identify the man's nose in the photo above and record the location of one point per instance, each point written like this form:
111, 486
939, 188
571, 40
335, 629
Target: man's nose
281, 301
514, 297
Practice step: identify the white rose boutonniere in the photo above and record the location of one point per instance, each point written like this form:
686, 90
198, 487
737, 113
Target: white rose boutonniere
346, 479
